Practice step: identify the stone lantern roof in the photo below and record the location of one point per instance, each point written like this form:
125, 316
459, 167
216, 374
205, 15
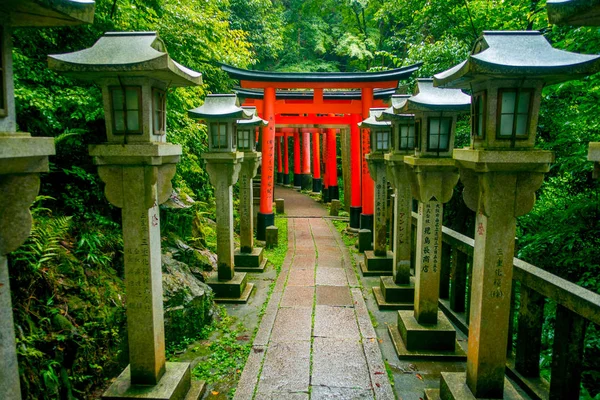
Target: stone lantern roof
395, 111
48, 12
430, 98
125, 54
372, 121
517, 55
221, 106
254, 121
574, 12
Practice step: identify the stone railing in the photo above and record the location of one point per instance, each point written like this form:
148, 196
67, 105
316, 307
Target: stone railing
576, 307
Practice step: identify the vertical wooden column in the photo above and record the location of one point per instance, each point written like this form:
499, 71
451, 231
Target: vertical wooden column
265, 215
355, 172
306, 177
368, 186
334, 190
316, 183
297, 173
345, 150
279, 160
286, 161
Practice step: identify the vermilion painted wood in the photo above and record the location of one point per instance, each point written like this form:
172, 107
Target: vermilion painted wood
331, 157
305, 151
355, 163
296, 152
316, 156
278, 143
368, 194
319, 85
286, 152
267, 165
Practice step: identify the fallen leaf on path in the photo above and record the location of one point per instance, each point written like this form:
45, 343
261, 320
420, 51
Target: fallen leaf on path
419, 376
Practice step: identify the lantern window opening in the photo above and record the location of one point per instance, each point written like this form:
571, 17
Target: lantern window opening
3, 108
382, 138
478, 117
159, 111
514, 106
245, 139
438, 133
126, 109
218, 133
407, 137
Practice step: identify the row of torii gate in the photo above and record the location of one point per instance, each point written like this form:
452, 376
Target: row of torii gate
304, 105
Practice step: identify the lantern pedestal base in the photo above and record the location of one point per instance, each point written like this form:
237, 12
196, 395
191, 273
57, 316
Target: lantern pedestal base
306, 182
414, 340
354, 225
391, 296
334, 193
286, 179
236, 290
377, 265
250, 262
453, 386
316, 185
175, 384
262, 222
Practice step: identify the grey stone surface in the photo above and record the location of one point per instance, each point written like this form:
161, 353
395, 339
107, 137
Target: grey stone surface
298, 296
326, 393
331, 276
301, 277
335, 322
339, 363
292, 324
333, 296
286, 368
362, 315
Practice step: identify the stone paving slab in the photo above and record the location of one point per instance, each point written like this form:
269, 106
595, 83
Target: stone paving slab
331, 276
292, 324
339, 363
301, 277
329, 393
335, 322
298, 296
333, 296
286, 368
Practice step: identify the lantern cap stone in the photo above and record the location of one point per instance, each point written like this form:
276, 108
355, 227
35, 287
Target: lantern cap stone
574, 12
125, 54
254, 121
372, 121
427, 97
394, 112
219, 107
48, 12
517, 55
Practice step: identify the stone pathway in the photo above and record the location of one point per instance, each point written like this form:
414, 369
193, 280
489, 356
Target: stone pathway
316, 340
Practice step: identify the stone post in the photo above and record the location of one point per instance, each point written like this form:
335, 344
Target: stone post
138, 179
426, 331
499, 186
223, 170
248, 257
19, 185
380, 260
397, 291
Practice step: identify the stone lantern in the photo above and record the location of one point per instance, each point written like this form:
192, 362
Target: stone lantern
397, 291
223, 164
248, 258
22, 159
501, 171
379, 260
134, 71
432, 175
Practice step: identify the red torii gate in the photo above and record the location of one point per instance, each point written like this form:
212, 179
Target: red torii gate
347, 104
